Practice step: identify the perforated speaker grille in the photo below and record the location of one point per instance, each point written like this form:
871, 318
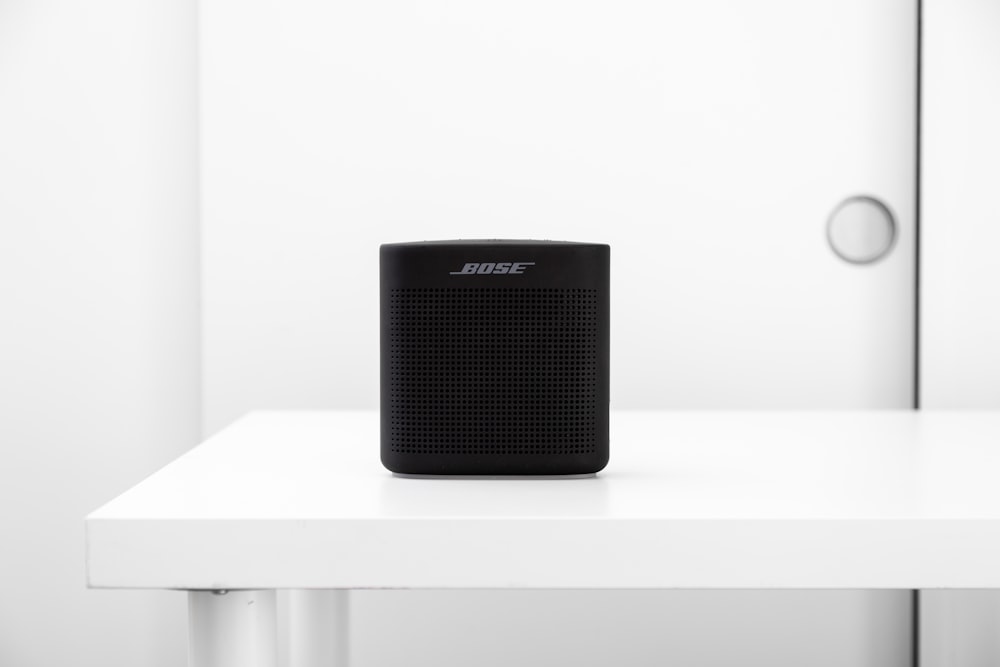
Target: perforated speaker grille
493, 371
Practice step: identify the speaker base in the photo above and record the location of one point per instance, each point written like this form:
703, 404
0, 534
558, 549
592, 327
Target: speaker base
406, 475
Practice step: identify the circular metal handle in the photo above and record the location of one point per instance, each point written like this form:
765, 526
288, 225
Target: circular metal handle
861, 230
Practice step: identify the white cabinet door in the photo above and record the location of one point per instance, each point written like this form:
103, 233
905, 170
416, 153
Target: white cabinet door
708, 143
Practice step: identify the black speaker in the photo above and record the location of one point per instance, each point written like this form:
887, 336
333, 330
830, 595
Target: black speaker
494, 357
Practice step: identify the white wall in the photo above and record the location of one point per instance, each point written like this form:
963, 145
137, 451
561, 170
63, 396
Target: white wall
960, 258
960, 271
98, 309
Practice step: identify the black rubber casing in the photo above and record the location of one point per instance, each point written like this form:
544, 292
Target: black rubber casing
494, 357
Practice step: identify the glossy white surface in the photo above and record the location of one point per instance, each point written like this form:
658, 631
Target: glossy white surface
689, 500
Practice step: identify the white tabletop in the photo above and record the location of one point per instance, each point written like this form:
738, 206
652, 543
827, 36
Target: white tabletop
689, 500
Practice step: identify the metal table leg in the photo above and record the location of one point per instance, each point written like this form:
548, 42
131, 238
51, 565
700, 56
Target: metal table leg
232, 629
318, 628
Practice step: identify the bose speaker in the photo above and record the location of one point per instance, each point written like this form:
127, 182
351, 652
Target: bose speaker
494, 357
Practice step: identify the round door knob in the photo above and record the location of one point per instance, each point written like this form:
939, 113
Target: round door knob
861, 230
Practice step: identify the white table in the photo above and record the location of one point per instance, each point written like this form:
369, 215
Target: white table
299, 500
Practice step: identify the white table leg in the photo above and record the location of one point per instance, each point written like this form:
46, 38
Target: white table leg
318, 628
235, 629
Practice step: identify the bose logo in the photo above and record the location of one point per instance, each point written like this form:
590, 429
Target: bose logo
492, 267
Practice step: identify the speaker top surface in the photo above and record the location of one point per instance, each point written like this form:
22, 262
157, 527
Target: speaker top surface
495, 263
488, 242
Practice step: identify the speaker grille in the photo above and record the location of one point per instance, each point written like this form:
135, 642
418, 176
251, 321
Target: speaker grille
493, 371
